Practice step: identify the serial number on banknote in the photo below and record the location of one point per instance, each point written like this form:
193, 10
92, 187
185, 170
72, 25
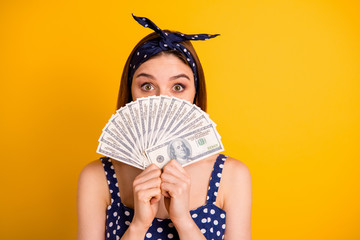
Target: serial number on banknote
212, 146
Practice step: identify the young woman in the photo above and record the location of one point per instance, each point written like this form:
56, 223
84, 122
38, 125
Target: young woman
209, 199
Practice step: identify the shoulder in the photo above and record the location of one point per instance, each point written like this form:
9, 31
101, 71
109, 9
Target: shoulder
236, 180
92, 171
237, 199
236, 170
92, 200
92, 180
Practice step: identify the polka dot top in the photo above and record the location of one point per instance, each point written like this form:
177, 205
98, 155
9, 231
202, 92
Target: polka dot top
209, 218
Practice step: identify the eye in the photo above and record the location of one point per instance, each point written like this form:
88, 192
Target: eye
147, 86
178, 87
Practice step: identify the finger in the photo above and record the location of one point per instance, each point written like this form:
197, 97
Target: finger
165, 193
165, 190
156, 198
147, 195
172, 190
152, 167
171, 177
146, 175
175, 164
150, 183
171, 170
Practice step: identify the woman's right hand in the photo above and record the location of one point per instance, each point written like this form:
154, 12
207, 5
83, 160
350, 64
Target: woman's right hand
147, 195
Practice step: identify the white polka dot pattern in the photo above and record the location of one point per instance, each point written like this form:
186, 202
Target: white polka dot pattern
209, 218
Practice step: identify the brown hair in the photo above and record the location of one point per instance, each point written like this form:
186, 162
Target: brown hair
125, 96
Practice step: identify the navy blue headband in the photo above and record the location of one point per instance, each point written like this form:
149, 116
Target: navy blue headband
167, 41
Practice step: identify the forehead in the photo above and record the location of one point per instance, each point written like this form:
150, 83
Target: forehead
164, 62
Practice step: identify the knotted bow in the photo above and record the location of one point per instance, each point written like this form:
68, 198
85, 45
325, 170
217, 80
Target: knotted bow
167, 41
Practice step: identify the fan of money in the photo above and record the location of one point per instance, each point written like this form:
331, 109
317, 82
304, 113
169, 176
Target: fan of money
157, 129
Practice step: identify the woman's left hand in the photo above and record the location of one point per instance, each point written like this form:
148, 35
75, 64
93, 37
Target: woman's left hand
175, 187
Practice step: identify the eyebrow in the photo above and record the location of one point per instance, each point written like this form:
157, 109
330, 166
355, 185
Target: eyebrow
182, 75
145, 75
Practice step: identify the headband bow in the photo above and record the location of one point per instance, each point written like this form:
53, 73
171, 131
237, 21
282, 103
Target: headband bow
167, 41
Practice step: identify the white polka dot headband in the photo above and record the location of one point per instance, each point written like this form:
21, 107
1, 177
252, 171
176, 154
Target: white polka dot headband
166, 41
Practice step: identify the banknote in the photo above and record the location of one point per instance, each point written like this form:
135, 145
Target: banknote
153, 110
160, 117
118, 130
175, 106
113, 153
187, 148
157, 129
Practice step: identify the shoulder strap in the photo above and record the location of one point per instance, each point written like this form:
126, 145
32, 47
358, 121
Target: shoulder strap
215, 179
111, 178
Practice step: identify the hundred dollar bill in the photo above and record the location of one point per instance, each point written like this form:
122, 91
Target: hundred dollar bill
143, 109
179, 114
117, 129
124, 115
200, 121
187, 148
108, 151
124, 150
153, 110
193, 113
169, 117
134, 114
123, 118
163, 106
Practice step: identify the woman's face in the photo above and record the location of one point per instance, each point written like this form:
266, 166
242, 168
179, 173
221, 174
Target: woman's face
165, 74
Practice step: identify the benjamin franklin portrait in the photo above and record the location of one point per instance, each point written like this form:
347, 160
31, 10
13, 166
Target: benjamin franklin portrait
180, 150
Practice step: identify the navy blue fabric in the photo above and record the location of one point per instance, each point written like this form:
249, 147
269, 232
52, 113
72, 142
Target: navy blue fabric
209, 218
167, 41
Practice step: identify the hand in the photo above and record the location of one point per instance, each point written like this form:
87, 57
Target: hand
147, 195
175, 187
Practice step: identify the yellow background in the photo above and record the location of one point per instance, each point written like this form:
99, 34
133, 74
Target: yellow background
283, 87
